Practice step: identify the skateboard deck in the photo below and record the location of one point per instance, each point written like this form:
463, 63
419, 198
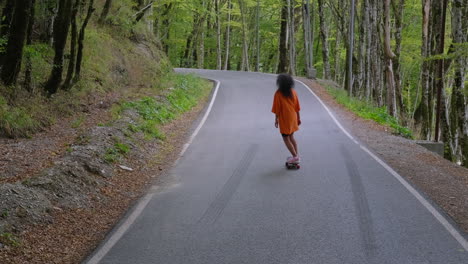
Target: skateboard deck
291, 166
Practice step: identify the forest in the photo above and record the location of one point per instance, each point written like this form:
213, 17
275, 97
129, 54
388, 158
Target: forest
407, 57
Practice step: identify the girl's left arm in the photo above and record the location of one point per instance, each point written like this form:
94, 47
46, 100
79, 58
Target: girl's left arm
298, 118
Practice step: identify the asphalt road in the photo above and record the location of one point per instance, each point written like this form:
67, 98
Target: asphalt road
229, 198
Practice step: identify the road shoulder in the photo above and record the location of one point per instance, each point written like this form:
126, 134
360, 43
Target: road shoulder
443, 182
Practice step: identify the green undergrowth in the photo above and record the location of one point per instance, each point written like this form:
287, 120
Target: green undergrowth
369, 111
9, 240
119, 58
116, 152
185, 92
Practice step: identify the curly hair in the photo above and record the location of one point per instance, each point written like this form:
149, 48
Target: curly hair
285, 83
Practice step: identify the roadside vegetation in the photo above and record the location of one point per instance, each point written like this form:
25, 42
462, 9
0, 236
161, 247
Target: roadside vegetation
368, 111
119, 57
184, 93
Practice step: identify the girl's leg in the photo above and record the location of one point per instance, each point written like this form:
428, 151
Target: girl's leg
293, 142
289, 145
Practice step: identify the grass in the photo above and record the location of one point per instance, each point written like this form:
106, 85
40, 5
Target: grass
369, 111
16, 121
78, 122
116, 152
118, 56
9, 240
187, 90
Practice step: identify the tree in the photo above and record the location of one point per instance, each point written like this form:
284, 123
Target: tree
7, 16
61, 27
245, 65
105, 11
16, 40
79, 55
74, 35
389, 56
28, 72
282, 49
228, 35
324, 40
459, 105
218, 36
423, 112
292, 38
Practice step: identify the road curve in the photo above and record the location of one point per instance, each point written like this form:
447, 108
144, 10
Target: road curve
229, 199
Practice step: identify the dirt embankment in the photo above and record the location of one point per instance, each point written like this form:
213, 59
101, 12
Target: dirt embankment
60, 214
444, 182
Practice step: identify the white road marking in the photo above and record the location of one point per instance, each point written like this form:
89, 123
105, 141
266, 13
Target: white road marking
98, 256
330, 113
203, 120
442, 220
117, 235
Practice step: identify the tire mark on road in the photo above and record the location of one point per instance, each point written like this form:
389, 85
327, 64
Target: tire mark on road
361, 204
224, 196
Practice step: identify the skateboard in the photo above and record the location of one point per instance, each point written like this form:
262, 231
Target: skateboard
291, 166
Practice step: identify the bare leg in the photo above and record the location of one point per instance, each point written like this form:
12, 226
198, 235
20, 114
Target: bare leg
290, 145
293, 141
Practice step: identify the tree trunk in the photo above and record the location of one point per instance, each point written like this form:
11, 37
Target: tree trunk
61, 27
51, 24
245, 49
218, 36
28, 73
398, 11
7, 16
257, 64
292, 39
350, 51
79, 55
439, 84
74, 35
165, 22
283, 52
201, 44
228, 35
389, 56
105, 11
324, 40
422, 114
376, 52
16, 40
459, 107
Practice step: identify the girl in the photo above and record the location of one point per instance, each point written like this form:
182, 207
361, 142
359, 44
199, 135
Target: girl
286, 107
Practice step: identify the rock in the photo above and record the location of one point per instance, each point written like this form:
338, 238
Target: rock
125, 168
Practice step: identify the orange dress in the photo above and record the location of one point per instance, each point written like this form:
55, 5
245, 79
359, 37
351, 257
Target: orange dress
286, 109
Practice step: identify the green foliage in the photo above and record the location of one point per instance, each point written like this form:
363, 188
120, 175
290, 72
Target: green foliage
368, 111
3, 43
16, 121
41, 55
4, 213
116, 152
9, 239
78, 122
122, 148
186, 92
121, 16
